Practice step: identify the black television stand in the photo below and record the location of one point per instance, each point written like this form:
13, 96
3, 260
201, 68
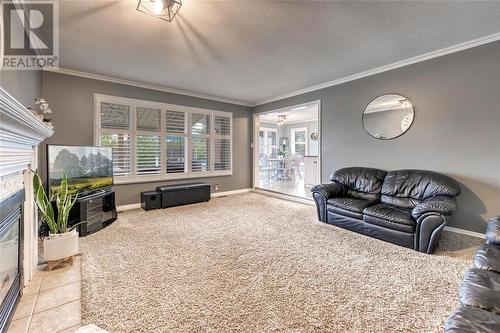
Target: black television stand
96, 210
92, 194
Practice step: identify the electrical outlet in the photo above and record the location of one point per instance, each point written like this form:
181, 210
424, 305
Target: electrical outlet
216, 187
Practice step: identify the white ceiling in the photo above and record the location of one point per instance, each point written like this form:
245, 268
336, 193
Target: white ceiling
251, 51
303, 113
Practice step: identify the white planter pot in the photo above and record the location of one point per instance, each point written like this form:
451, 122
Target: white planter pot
60, 246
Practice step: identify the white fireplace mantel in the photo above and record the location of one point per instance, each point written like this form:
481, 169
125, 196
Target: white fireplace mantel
20, 134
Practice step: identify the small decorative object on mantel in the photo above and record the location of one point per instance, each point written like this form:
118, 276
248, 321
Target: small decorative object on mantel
162, 9
314, 136
44, 107
61, 244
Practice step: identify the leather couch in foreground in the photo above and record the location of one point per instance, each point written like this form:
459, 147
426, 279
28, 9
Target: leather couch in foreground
480, 291
405, 207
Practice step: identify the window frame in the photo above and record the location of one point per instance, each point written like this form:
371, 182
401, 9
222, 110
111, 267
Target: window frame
292, 139
188, 135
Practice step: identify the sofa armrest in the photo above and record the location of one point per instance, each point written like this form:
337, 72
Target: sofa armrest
439, 204
321, 193
330, 190
493, 231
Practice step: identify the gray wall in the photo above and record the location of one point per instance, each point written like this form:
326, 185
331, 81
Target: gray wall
456, 129
25, 86
72, 101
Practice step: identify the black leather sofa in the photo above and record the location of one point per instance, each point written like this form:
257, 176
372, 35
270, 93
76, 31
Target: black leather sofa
405, 207
480, 291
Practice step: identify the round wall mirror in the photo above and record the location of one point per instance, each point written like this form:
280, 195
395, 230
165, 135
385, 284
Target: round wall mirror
388, 116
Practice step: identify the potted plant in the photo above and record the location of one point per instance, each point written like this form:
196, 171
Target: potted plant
62, 242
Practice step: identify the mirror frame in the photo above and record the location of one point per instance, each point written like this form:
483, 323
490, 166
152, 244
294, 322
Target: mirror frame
395, 137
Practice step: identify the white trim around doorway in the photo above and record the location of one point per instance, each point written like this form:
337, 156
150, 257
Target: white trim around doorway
255, 143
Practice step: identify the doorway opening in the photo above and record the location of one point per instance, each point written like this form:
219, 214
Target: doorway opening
287, 150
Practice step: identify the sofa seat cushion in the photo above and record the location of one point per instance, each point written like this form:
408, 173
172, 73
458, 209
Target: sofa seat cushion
391, 217
349, 206
481, 289
488, 258
472, 320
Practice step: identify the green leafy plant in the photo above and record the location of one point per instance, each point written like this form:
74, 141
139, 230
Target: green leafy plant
64, 202
281, 153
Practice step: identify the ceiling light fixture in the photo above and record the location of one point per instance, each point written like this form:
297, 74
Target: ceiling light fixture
162, 9
281, 120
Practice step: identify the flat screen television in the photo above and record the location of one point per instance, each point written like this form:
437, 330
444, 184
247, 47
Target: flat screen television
87, 168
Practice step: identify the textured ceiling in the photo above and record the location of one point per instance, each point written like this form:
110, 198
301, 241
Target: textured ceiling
254, 50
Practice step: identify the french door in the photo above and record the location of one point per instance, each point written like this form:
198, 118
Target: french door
268, 141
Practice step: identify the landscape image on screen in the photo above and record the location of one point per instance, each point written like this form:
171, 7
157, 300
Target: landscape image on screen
87, 168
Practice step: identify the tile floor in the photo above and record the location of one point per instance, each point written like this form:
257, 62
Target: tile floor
51, 303
295, 188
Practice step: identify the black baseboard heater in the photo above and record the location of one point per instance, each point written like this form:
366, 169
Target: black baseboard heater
183, 194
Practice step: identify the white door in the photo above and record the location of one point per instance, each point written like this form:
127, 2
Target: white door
268, 141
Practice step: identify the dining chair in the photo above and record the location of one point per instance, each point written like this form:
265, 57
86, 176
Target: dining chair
265, 166
298, 158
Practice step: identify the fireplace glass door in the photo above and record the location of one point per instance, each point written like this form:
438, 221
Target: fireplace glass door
9, 252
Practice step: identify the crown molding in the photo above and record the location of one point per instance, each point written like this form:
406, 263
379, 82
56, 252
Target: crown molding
381, 69
144, 85
427, 56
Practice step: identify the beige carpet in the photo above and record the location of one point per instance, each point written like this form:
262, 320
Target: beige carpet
252, 263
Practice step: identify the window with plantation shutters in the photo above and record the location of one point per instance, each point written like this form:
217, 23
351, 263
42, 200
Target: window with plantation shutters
176, 154
115, 133
200, 157
120, 144
176, 121
157, 141
222, 143
148, 119
222, 154
115, 116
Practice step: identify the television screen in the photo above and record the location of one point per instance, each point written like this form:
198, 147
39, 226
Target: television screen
87, 168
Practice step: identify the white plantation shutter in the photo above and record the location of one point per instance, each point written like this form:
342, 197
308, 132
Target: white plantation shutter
148, 154
222, 154
176, 151
222, 125
176, 121
121, 151
116, 116
148, 119
156, 141
200, 123
222, 143
200, 154
115, 124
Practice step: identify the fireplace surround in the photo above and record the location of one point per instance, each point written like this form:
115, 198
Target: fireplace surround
21, 132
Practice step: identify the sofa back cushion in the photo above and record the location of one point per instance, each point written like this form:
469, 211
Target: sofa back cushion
407, 188
362, 183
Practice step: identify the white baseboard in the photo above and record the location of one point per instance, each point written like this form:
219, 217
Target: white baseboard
284, 196
465, 232
123, 208
222, 194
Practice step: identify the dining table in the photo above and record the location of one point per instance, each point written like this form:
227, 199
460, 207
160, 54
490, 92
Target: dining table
278, 167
